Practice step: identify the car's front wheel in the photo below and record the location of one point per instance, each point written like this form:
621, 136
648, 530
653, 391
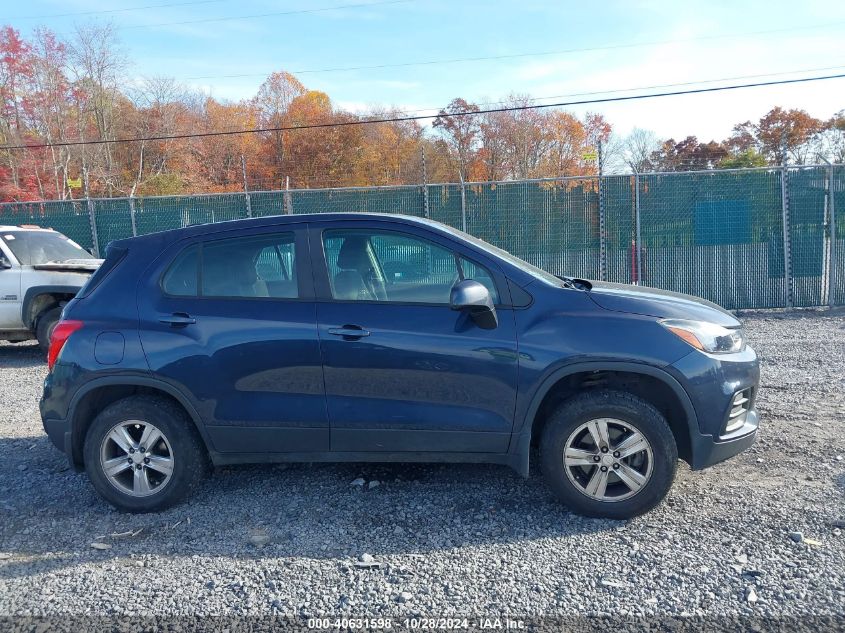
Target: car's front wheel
143, 454
608, 454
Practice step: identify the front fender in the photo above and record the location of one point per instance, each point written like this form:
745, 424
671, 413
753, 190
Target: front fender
521, 442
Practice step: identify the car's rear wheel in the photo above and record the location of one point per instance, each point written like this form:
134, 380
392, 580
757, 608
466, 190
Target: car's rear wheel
609, 454
45, 326
143, 454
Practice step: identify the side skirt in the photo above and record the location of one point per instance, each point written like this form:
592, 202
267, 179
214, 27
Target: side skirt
505, 459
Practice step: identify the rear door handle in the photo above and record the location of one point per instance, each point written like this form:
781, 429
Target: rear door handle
177, 319
349, 331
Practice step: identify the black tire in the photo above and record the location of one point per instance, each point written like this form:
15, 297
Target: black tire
45, 326
190, 459
625, 407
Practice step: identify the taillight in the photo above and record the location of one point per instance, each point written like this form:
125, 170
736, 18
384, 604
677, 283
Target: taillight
61, 333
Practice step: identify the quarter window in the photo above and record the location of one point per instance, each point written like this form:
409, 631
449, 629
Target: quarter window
181, 278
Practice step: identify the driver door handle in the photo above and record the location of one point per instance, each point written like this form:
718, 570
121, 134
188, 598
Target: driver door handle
177, 319
349, 331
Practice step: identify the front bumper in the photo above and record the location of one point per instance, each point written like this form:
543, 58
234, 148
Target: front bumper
707, 450
711, 382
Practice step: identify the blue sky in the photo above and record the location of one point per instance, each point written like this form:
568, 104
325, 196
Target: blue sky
205, 43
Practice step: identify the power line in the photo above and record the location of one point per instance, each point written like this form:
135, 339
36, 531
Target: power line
458, 60
125, 10
421, 117
267, 15
653, 87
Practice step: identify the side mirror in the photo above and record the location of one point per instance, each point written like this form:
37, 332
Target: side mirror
472, 297
4, 263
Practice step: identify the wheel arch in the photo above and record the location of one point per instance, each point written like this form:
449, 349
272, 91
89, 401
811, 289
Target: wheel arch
653, 384
38, 299
98, 394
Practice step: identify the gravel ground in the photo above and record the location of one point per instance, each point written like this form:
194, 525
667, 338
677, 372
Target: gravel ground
753, 537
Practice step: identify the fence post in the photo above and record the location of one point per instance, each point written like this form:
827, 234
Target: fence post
637, 237
91, 219
787, 237
425, 184
287, 202
830, 234
463, 205
246, 188
602, 226
132, 214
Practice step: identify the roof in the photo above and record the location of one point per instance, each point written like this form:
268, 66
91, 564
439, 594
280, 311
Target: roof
271, 220
23, 227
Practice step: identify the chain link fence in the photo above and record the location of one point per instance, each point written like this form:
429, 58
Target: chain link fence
750, 238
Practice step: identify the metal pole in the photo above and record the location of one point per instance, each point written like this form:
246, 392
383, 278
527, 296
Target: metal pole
246, 189
91, 219
830, 234
425, 184
602, 227
288, 203
132, 215
463, 205
638, 237
834, 268
787, 246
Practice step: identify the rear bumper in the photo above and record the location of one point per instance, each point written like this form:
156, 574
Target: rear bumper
708, 450
60, 435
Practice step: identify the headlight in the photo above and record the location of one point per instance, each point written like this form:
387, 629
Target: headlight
707, 337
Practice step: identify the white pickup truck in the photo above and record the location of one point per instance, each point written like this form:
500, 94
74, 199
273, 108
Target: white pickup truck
40, 271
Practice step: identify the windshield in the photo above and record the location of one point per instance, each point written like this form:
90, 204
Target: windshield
33, 248
531, 269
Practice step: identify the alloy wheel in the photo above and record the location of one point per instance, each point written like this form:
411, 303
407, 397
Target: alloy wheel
608, 459
136, 458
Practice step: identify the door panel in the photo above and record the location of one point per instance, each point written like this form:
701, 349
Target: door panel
403, 371
250, 360
11, 302
426, 378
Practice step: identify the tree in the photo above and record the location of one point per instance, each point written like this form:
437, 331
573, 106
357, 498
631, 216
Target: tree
638, 148
461, 132
688, 155
273, 101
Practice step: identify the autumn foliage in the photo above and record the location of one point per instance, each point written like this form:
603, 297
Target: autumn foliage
55, 91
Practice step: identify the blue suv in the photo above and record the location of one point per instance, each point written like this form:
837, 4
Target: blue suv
364, 337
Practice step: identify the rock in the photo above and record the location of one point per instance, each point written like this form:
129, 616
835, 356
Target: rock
210, 584
367, 561
358, 483
373, 484
750, 595
612, 583
796, 536
100, 545
838, 523
398, 530
259, 537
22, 467
742, 558
404, 597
